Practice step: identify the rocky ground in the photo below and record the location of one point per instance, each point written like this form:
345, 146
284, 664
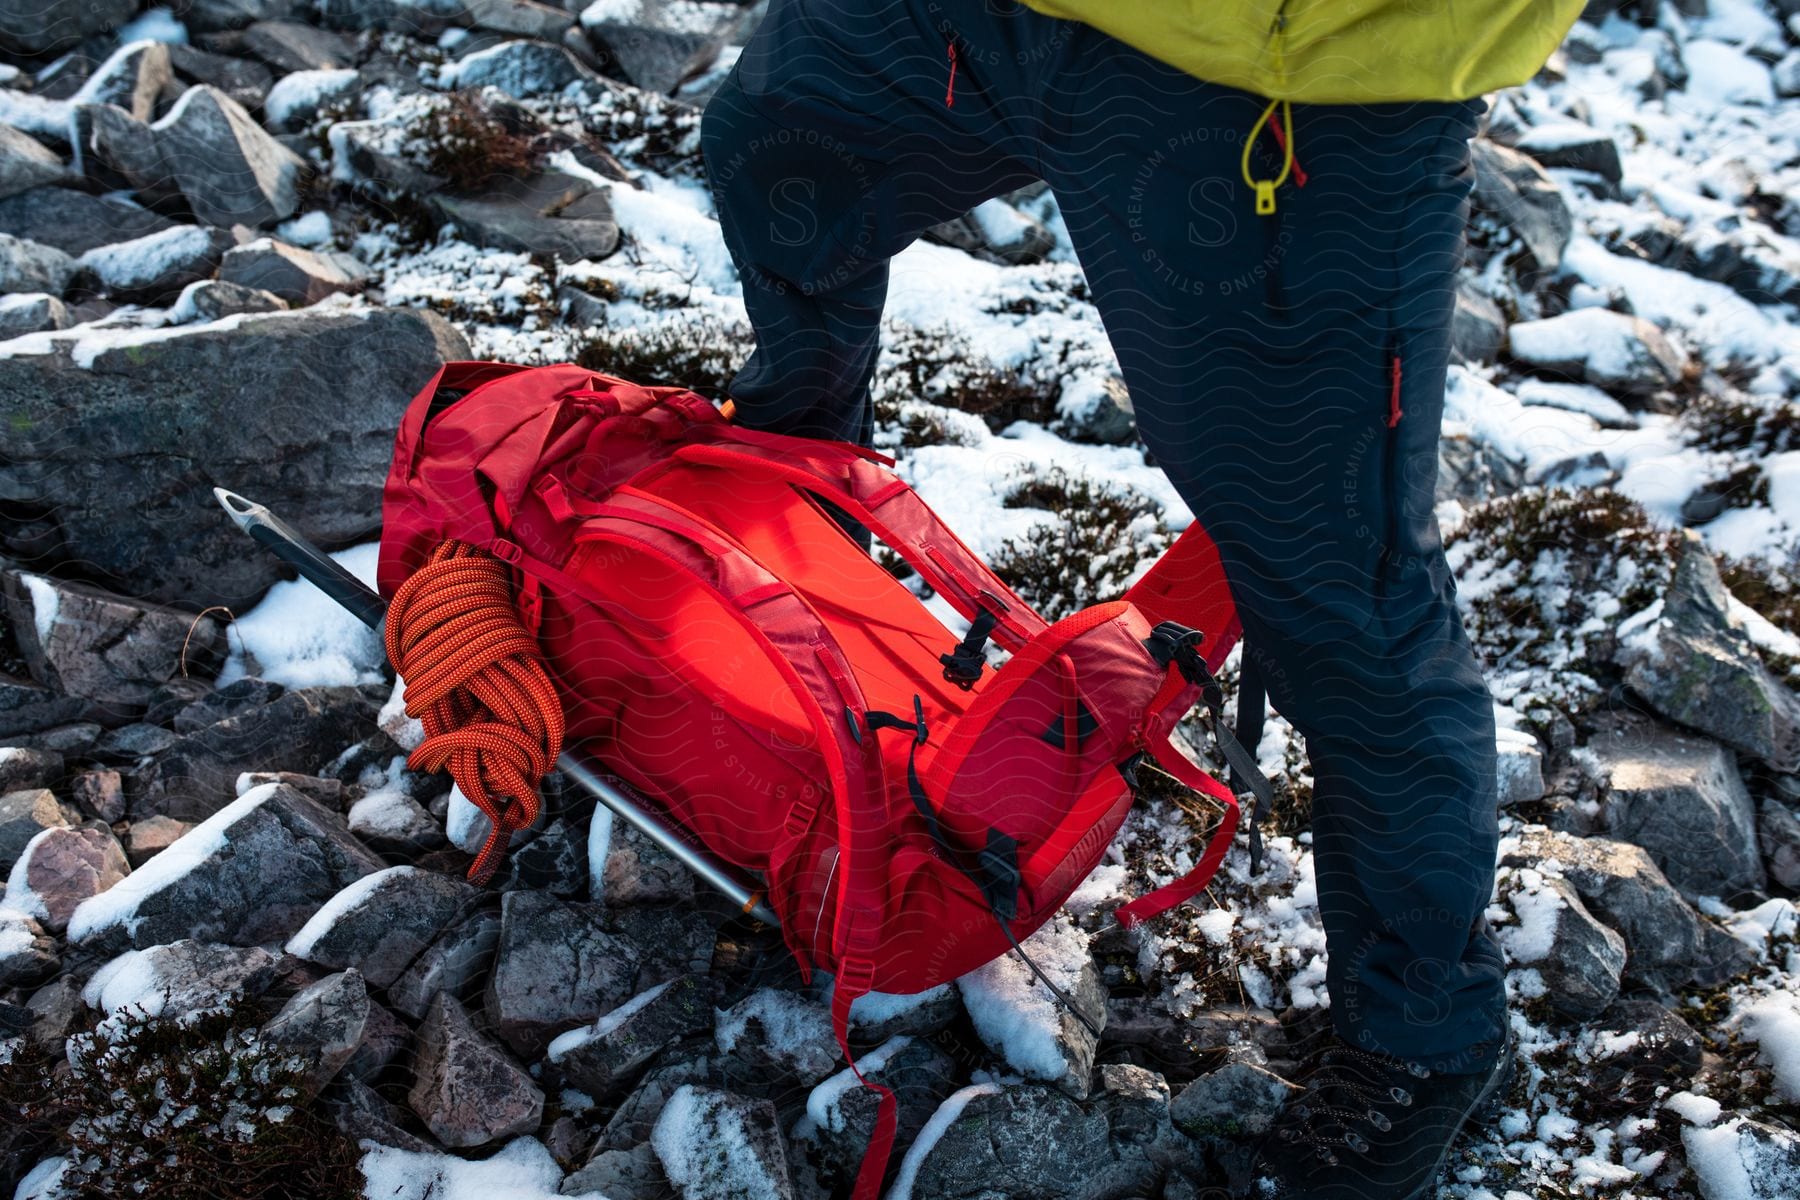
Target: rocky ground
237, 952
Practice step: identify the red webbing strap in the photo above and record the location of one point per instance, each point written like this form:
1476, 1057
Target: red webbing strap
1186, 887
853, 980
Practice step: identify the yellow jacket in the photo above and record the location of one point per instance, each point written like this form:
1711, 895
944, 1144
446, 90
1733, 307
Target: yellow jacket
1339, 51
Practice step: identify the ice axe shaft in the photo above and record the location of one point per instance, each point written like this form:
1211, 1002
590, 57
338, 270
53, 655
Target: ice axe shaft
367, 606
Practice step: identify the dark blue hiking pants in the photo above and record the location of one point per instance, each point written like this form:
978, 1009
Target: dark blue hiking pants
1287, 371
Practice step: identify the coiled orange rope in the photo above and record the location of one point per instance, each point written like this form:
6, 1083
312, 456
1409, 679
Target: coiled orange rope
476, 680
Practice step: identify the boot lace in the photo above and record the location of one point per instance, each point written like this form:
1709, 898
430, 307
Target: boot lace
1348, 1089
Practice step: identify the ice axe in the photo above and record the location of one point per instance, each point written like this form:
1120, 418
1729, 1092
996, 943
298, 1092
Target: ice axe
367, 606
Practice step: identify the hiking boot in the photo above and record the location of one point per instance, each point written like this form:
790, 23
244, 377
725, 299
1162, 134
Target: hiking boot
1370, 1126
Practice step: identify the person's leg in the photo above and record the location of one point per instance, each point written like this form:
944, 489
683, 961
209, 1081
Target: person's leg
829, 149
1260, 353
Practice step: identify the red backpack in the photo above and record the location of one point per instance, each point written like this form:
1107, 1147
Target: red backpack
719, 642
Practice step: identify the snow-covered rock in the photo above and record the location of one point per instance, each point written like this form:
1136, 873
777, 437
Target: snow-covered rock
381, 922
601, 1057
1027, 1026
1579, 959
717, 1146
214, 882
782, 1032
28, 266
1601, 347
60, 868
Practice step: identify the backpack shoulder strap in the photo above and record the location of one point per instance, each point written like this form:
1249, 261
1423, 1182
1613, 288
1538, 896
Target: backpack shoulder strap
890, 508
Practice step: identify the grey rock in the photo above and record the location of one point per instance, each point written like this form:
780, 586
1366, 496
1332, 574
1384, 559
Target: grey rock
272, 834
1472, 471
235, 699
216, 16
245, 81
520, 69
60, 868
131, 491
75, 222
1596, 345
1237, 1099
211, 299
384, 1038
41, 26
27, 266
70, 738
1585, 959
301, 730
1767, 1158
31, 312
603, 1058
781, 1033
548, 213
1477, 327
454, 963
85, 641
196, 976
359, 1111
522, 17
632, 1123
324, 1023
1571, 144
1703, 671
207, 149
131, 79
1778, 833
1519, 771
419, 18
1107, 417
1015, 240
296, 275
1517, 192
290, 46
841, 1119
637, 870
23, 815
633, 1174
385, 923
100, 794
154, 268
332, 793
558, 966
1018, 1140
25, 162
1683, 801
553, 861
129, 745
23, 767
714, 1145
55, 1009
27, 950
661, 44
29, 709
1669, 945
467, 1090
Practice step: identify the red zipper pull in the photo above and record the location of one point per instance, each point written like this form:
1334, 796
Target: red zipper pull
1394, 394
950, 88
